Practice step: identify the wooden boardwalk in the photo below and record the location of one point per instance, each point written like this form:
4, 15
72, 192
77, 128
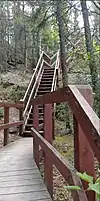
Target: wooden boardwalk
20, 179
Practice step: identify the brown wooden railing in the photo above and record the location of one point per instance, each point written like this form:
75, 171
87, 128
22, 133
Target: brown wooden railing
86, 138
6, 125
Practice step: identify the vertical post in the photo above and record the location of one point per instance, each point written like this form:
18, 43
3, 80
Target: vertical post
48, 167
83, 154
36, 126
6, 120
53, 121
20, 118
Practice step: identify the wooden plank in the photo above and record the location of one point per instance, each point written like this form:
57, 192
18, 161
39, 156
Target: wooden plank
15, 173
20, 178
34, 196
22, 189
84, 157
36, 126
48, 172
21, 183
87, 119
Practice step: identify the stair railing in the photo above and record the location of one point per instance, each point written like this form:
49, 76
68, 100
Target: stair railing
57, 65
32, 93
34, 82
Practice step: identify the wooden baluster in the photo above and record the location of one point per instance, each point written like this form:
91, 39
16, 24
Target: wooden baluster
20, 118
36, 126
48, 167
6, 120
83, 154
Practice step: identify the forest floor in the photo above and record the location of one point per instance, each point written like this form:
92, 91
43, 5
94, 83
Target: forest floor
64, 144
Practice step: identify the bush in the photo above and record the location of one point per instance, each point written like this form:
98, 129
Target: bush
1, 113
60, 112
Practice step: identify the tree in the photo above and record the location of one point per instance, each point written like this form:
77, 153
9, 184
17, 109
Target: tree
63, 56
89, 45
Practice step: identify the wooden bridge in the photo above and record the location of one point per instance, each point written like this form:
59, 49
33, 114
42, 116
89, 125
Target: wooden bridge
20, 178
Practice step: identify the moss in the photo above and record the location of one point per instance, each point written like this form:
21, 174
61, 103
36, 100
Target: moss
64, 144
11, 93
15, 93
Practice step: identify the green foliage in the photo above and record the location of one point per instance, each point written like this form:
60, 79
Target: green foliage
94, 186
60, 112
72, 187
85, 177
15, 93
1, 113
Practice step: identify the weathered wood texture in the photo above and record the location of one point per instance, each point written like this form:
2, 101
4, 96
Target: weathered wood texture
20, 178
68, 172
83, 154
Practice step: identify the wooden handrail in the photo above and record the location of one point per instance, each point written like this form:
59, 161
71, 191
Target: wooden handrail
30, 97
55, 55
47, 57
55, 72
14, 105
83, 112
33, 76
9, 125
61, 164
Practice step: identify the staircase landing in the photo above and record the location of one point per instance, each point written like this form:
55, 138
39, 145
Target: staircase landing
20, 179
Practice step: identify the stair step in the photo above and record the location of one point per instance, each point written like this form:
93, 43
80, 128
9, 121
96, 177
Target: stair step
46, 78
45, 84
44, 89
42, 92
46, 81
47, 75
27, 134
48, 70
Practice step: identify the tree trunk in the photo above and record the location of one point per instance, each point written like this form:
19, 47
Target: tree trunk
89, 45
63, 58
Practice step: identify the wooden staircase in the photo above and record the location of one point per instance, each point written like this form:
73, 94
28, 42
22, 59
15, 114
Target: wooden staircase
44, 80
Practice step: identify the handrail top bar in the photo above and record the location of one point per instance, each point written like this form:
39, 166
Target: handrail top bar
9, 125
46, 55
14, 105
28, 102
32, 77
42, 53
47, 63
62, 95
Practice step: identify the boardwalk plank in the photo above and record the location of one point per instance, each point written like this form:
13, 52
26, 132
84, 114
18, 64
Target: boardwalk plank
20, 179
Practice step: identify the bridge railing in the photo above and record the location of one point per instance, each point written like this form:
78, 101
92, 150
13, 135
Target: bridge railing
6, 124
86, 137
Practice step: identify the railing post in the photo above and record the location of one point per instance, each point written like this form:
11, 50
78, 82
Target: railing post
36, 126
6, 120
20, 118
48, 167
83, 154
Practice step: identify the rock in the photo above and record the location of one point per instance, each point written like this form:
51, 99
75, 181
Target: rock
65, 148
13, 130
